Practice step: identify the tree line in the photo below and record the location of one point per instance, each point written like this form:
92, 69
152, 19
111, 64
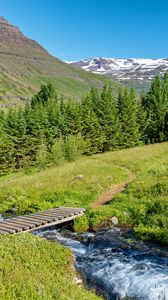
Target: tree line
51, 130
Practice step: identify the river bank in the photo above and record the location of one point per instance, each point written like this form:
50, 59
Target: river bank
116, 265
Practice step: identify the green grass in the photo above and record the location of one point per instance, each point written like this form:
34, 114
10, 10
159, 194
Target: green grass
25, 78
141, 86
58, 186
143, 204
32, 268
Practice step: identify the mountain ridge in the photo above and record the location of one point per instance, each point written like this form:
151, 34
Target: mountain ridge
130, 69
25, 64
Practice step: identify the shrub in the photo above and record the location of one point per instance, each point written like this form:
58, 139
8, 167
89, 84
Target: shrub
41, 156
73, 147
81, 224
57, 156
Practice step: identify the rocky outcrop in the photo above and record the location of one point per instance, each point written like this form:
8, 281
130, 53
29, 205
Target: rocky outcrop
12, 34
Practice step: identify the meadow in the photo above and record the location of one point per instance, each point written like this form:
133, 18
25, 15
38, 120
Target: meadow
143, 204
33, 268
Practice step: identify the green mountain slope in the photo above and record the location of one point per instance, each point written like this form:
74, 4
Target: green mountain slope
24, 65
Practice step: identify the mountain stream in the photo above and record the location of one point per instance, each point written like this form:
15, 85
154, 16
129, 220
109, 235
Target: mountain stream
115, 264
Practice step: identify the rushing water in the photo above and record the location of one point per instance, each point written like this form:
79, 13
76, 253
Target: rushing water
1, 218
115, 264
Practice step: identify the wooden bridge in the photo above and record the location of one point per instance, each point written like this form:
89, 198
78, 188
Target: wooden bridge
40, 220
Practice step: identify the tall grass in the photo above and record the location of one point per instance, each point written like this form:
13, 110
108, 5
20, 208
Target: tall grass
60, 185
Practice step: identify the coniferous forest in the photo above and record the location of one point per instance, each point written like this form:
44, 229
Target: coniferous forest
51, 129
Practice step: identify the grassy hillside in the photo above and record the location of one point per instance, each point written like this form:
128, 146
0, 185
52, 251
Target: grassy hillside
143, 205
139, 85
67, 80
24, 65
59, 186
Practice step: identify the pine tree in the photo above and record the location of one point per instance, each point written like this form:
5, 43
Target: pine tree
7, 161
52, 111
72, 119
108, 118
15, 127
128, 117
142, 120
91, 129
156, 106
47, 93
62, 115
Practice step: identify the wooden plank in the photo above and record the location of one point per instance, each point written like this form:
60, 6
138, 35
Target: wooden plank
54, 215
56, 222
64, 209
62, 212
16, 223
51, 216
28, 223
2, 231
36, 222
72, 208
46, 214
32, 221
41, 218
12, 226
58, 212
67, 207
9, 230
53, 211
67, 211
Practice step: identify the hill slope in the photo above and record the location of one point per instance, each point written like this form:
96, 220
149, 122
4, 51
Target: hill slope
24, 64
143, 204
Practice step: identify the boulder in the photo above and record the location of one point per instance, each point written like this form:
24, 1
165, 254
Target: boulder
11, 210
77, 281
79, 177
114, 220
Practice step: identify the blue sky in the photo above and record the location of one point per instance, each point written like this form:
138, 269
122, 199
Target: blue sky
77, 29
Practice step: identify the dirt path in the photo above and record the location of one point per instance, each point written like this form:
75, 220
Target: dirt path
115, 189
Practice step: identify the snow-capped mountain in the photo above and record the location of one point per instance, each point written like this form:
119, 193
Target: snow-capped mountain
125, 69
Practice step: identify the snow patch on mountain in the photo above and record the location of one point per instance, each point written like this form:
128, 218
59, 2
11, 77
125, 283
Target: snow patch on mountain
124, 69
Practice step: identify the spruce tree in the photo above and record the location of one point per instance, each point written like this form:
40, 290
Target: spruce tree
128, 117
108, 118
7, 160
47, 93
72, 118
156, 106
91, 129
